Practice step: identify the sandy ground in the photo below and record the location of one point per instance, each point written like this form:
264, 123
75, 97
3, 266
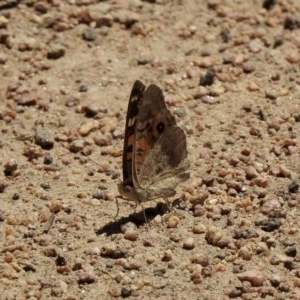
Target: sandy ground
230, 74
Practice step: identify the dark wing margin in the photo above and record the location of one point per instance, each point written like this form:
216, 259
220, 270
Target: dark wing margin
134, 102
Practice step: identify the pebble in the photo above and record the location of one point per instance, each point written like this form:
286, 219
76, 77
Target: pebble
293, 57
213, 235
27, 99
173, 221
3, 58
76, 146
270, 224
3, 22
201, 259
204, 62
10, 167
89, 34
131, 235
199, 228
87, 127
48, 159
255, 277
113, 251
188, 243
86, 277
125, 17
44, 137
167, 256
55, 206
251, 172
248, 67
102, 139
196, 277
245, 233
255, 46
125, 292
56, 51
129, 226
271, 207
246, 252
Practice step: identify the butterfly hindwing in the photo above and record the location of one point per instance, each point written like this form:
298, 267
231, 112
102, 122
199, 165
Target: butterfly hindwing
160, 148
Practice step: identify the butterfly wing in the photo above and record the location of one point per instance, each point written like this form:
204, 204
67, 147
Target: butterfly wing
134, 102
160, 154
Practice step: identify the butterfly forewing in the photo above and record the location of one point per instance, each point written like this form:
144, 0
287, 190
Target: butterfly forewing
134, 103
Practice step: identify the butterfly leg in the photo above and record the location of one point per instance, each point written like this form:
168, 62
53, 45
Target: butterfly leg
144, 215
118, 208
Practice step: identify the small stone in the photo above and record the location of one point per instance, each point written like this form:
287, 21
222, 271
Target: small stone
173, 221
198, 210
246, 252
94, 251
205, 62
271, 207
46, 186
3, 22
196, 277
125, 17
125, 292
44, 137
293, 187
167, 255
240, 233
90, 34
55, 206
104, 139
293, 57
200, 259
255, 46
103, 166
56, 52
248, 67
86, 128
128, 226
10, 167
48, 159
86, 278
3, 58
270, 224
42, 7
188, 243
251, 172
255, 277
8, 257
113, 251
27, 99
208, 78
199, 228
213, 235
76, 146
131, 235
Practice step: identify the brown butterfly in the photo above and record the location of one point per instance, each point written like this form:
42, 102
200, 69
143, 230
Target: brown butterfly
154, 154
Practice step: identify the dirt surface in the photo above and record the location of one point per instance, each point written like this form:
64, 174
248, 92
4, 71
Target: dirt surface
230, 74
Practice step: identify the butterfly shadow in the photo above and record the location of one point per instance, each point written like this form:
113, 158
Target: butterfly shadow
138, 218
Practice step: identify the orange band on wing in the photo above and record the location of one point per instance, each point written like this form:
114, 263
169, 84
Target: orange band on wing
130, 143
142, 149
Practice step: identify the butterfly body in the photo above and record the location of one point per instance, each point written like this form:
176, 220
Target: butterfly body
154, 155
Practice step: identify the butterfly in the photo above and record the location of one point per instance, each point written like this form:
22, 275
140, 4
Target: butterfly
155, 158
